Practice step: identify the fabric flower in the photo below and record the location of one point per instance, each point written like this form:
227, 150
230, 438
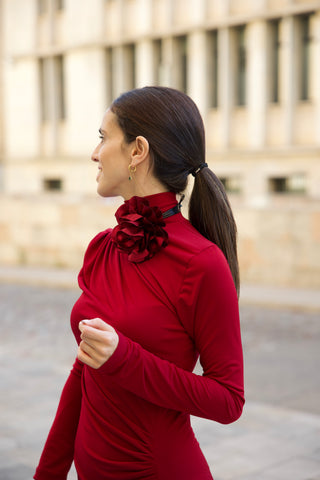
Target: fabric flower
140, 230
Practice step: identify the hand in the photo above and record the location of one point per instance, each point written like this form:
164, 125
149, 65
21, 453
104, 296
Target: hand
99, 341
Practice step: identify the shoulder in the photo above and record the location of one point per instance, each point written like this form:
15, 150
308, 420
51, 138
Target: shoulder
197, 249
207, 264
100, 238
93, 252
194, 257
97, 243
204, 260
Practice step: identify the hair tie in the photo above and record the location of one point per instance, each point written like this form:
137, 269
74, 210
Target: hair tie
196, 170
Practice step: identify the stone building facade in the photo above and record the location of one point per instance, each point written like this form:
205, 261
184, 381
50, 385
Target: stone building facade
253, 68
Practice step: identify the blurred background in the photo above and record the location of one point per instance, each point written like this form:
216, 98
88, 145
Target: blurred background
253, 68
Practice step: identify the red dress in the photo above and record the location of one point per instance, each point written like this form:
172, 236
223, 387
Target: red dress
130, 419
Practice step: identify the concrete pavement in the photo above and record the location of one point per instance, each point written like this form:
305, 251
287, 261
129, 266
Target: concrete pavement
278, 435
262, 295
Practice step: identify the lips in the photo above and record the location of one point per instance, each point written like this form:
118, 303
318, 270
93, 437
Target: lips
98, 174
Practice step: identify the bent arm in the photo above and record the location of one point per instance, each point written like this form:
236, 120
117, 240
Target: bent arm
164, 384
208, 308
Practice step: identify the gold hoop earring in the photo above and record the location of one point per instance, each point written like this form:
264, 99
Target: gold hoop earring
132, 170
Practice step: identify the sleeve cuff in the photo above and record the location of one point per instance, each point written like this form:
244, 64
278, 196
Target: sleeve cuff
115, 362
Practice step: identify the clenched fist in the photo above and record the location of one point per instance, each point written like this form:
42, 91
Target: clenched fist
99, 341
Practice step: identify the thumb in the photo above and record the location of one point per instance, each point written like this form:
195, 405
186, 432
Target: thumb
97, 323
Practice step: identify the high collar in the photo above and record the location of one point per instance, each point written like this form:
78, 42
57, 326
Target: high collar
163, 200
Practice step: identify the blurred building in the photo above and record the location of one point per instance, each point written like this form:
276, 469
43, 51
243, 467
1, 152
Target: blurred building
253, 68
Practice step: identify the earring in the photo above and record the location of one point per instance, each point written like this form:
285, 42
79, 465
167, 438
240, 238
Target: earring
132, 169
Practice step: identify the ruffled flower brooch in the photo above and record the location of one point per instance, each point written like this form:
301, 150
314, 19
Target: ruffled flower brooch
140, 231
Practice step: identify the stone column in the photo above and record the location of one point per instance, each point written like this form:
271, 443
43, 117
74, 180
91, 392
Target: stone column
315, 79
197, 78
52, 112
144, 63
225, 74
288, 85
168, 67
145, 16
1, 102
119, 71
198, 9
314, 176
257, 83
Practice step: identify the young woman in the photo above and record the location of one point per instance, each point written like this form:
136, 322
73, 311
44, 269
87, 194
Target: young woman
158, 291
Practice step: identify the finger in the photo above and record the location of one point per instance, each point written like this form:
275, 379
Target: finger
96, 338
94, 357
97, 323
85, 358
88, 349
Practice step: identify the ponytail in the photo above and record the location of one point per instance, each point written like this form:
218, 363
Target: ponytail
210, 213
172, 124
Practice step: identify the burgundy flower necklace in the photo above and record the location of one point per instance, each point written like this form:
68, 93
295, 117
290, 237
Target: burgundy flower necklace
140, 231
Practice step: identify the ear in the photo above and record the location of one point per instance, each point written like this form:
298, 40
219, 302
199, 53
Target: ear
140, 151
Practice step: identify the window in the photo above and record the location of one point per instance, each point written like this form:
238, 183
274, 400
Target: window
59, 4
274, 58
294, 184
130, 59
304, 43
157, 62
181, 64
109, 75
42, 7
44, 82
52, 184
241, 65
212, 73
59, 83
278, 184
52, 98
231, 184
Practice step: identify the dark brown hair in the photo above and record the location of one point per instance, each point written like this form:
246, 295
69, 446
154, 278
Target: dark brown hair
172, 124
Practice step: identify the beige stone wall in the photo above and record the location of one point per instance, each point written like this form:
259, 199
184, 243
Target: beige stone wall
247, 145
278, 245
50, 230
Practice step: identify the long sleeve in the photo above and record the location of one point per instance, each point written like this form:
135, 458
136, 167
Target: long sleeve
57, 455
208, 309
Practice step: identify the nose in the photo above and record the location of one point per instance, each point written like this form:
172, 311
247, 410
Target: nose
94, 155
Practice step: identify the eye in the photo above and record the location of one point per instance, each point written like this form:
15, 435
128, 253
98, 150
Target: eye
101, 135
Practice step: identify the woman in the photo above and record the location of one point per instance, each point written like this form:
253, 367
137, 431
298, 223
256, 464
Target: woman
157, 292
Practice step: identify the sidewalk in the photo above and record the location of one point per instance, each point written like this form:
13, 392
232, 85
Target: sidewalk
269, 441
307, 299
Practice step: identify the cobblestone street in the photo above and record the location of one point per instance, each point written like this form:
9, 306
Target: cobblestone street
277, 438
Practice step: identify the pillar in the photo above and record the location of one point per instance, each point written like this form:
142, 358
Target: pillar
197, 77
144, 63
257, 83
288, 77
225, 73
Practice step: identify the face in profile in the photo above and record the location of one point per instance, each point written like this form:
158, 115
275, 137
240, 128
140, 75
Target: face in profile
113, 156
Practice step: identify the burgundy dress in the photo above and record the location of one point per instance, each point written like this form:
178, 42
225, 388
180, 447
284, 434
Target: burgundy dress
130, 419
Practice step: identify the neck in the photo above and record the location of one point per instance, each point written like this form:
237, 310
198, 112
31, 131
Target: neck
143, 189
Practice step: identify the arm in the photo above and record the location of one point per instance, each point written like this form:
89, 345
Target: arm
57, 455
208, 308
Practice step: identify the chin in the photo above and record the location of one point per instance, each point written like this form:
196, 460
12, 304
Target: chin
106, 193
